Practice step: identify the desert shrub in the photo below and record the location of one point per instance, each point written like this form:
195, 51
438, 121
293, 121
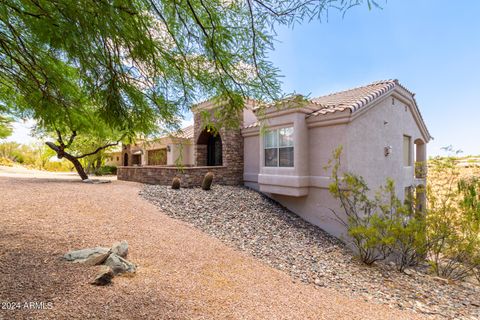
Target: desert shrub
58, 166
11, 151
176, 183
380, 226
469, 191
405, 227
453, 220
106, 170
207, 181
6, 162
446, 233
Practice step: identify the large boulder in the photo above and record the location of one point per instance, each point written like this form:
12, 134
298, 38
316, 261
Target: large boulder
120, 248
119, 265
103, 277
89, 256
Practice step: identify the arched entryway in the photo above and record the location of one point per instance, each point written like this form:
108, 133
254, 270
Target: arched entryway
125, 159
420, 159
209, 149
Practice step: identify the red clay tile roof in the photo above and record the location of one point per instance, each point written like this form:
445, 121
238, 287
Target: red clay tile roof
356, 98
353, 99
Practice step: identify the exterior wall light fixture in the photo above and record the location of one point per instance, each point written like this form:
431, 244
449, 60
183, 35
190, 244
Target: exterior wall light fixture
387, 150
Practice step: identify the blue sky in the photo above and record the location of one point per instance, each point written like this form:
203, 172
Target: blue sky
431, 46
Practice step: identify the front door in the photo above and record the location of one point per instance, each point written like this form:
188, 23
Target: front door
214, 151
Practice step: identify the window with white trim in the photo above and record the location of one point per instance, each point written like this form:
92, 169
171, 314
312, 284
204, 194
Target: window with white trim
278, 147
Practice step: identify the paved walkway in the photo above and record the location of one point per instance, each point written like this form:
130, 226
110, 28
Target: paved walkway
183, 273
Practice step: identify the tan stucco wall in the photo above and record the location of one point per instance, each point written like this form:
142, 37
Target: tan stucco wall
181, 149
114, 159
363, 140
180, 152
382, 126
251, 158
248, 117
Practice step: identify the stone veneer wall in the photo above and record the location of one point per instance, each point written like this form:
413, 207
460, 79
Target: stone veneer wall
230, 173
232, 148
189, 176
201, 154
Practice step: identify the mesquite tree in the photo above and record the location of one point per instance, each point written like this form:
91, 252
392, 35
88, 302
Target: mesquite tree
134, 66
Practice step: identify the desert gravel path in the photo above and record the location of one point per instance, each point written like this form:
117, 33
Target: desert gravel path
183, 273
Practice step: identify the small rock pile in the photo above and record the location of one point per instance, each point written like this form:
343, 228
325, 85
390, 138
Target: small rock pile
113, 261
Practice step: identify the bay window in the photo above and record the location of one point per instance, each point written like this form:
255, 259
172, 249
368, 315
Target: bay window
278, 147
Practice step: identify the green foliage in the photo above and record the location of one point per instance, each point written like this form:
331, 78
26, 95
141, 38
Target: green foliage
5, 127
452, 220
379, 226
32, 156
404, 227
446, 233
469, 190
106, 170
132, 66
11, 151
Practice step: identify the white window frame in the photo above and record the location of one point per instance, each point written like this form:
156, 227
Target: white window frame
278, 147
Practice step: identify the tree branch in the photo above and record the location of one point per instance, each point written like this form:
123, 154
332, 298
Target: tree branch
100, 148
72, 137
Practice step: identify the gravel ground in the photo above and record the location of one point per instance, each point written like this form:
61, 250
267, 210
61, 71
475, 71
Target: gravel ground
253, 223
183, 273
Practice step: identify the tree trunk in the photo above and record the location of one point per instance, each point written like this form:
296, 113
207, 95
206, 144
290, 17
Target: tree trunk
62, 154
97, 165
77, 165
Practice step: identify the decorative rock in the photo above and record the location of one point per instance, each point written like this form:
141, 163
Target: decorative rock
104, 277
255, 224
120, 248
119, 265
319, 283
90, 256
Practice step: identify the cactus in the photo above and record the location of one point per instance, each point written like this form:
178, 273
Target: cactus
207, 181
176, 183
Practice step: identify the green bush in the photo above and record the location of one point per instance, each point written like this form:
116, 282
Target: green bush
380, 227
453, 221
446, 233
106, 170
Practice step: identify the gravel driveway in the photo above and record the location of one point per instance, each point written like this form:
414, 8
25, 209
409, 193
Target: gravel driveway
183, 272
253, 223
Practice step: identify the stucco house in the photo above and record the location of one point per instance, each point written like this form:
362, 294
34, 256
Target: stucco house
282, 149
173, 149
